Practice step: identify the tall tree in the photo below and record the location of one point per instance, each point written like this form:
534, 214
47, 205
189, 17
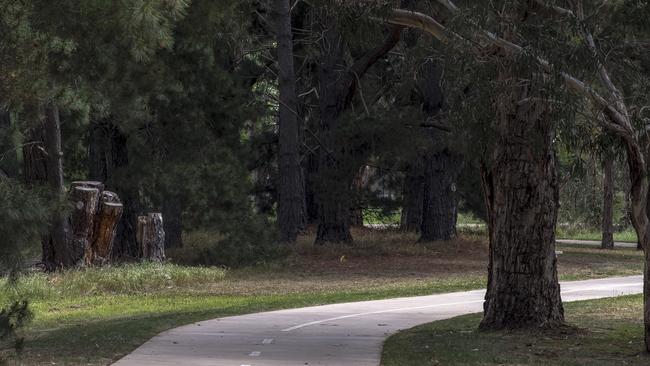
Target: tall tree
291, 187
442, 164
338, 162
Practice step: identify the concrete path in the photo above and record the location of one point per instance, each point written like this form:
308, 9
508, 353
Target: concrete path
339, 334
595, 243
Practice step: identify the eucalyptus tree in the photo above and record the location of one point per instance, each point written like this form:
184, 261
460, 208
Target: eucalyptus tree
621, 116
291, 186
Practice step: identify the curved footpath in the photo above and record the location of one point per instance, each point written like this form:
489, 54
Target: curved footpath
338, 334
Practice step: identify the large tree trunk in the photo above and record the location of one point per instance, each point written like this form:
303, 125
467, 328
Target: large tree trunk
608, 205
440, 208
442, 166
412, 199
521, 192
291, 185
641, 219
60, 252
334, 179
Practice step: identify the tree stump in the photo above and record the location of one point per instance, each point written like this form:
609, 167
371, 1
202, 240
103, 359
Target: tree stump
85, 201
93, 220
108, 216
151, 237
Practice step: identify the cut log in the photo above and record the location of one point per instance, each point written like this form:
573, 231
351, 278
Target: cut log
151, 237
87, 184
85, 201
107, 218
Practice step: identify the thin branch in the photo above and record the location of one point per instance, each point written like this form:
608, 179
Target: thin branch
431, 26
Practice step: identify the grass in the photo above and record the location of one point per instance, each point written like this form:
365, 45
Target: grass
601, 332
94, 316
577, 233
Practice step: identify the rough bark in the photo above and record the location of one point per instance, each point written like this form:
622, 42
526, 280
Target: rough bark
151, 237
173, 223
291, 186
108, 217
522, 192
608, 205
85, 201
440, 207
412, 201
442, 166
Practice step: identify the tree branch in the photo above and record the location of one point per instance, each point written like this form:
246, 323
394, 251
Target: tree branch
430, 25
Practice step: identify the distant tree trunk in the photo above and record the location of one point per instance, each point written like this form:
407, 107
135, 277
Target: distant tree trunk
335, 93
440, 208
310, 174
57, 246
172, 212
291, 185
412, 201
107, 159
522, 192
358, 186
441, 167
608, 205
333, 186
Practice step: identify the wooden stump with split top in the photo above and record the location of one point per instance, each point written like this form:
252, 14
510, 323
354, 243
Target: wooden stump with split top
151, 237
94, 220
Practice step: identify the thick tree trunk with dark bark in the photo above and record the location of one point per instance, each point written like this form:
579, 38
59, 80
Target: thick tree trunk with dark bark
441, 166
291, 216
521, 192
412, 200
440, 208
608, 205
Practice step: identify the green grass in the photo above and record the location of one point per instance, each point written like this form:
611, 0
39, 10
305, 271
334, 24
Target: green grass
573, 233
95, 316
627, 235
601, 332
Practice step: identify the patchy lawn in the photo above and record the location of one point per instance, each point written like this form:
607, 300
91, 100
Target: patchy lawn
95, 316
600, 332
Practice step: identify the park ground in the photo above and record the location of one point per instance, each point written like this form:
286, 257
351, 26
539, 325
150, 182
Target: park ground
95, 316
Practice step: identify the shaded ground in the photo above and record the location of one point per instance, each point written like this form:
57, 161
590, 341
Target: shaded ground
97, 315
600, 332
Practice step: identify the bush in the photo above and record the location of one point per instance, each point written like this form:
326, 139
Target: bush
24, 217
12, 318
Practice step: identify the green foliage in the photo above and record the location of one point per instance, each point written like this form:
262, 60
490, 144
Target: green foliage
121, 279
12, 318
25, 215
